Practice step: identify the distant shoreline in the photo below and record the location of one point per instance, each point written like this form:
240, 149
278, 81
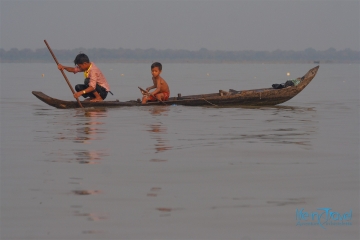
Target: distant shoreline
195, 61
203, 55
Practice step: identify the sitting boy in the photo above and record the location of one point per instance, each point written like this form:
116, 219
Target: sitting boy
95, 85
162, 91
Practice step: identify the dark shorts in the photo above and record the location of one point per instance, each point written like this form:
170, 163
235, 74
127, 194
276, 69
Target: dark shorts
102, 91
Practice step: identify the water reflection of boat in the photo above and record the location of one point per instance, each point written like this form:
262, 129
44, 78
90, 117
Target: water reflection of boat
90, 157
161, 143
254, 97
158, 130
89, 130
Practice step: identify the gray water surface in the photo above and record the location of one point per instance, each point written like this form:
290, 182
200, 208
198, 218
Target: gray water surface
174, 172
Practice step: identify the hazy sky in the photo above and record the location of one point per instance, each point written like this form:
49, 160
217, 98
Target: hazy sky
181, 24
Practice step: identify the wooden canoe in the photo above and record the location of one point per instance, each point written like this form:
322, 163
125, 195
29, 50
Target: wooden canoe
255, 97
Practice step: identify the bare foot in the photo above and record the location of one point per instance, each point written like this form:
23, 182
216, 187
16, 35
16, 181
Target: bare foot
87, 99
96, 100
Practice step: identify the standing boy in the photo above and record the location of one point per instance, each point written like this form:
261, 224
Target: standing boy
162, 91
95, 85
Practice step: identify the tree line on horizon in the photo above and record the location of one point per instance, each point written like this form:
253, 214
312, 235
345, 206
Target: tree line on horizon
330, 55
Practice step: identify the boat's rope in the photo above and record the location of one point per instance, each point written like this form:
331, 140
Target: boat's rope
208, 102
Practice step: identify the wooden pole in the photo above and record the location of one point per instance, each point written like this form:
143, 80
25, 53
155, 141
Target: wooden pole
62, 71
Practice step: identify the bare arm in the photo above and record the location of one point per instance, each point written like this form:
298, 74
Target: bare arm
78, 94
69, 69
153, 86
149, 88
158, 87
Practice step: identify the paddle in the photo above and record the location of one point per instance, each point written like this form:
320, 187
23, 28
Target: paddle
147, 93
62, 71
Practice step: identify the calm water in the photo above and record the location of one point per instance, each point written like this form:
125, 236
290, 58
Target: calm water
173, 172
